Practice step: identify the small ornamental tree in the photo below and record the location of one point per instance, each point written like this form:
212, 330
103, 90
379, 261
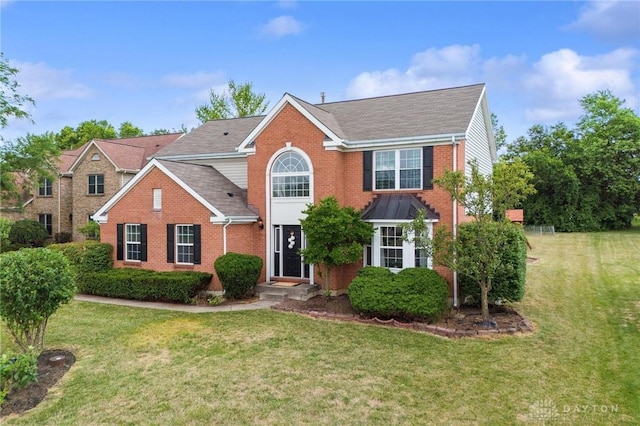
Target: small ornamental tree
335, 236
33, 284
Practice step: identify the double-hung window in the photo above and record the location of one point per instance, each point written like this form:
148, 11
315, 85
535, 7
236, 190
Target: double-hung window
46, 220
46, 188
96, 185
391, 243
133, 242
390, 249
398, 169
184, 244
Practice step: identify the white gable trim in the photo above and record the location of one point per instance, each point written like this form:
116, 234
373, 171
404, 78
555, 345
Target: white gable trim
84, 153
286, 99
101, 215
486, 114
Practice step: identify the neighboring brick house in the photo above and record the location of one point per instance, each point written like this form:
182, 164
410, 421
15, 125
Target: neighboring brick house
105, 166
87, 176
242, 184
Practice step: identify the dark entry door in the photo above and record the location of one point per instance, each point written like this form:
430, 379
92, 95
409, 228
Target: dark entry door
291, 243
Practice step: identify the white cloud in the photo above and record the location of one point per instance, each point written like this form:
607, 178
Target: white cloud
610, 20
559, 79
287, 4
42, 82
433, 68
194, 80
282, 26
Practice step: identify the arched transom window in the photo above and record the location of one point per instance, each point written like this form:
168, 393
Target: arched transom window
290, 176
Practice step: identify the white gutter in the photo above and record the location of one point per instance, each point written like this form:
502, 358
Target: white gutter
455, 220
224, 236
376, 143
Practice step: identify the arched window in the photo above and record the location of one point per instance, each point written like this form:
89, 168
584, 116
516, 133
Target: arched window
290, 176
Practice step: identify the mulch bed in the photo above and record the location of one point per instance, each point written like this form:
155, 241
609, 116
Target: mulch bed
463, 322
20, 400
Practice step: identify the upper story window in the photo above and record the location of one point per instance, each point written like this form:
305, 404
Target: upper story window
398, 169
46, 188
290, 176
96, 185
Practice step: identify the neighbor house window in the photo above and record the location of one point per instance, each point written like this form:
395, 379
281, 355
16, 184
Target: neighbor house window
46, 188
133, 240
398, 169
45, 219
96, 184
290, 176
184, 243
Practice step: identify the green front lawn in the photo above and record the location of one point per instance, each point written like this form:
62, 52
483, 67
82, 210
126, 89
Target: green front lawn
138, 366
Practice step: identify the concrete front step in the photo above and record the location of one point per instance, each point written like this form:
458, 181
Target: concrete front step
272, 291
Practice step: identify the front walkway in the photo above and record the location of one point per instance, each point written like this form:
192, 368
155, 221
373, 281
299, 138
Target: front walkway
260, 304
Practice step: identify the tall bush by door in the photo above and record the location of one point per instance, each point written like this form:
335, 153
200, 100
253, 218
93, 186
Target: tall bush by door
238, 274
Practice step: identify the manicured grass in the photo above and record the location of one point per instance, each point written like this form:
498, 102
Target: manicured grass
137, 366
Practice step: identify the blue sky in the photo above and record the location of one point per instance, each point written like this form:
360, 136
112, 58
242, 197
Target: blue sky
153, 63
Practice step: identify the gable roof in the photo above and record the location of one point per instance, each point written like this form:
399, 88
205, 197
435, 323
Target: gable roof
397, 207
396, 118
213, 138
220, 196
129, 154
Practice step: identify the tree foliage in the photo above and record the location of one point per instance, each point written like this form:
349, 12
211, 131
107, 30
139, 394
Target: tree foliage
70, 138
239, 101
29, 232
33, 285
588, 178
479, 255
128, 130
335, 236
12, 103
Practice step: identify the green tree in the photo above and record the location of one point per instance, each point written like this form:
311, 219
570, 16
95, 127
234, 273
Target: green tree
29, 232
335, 236
12, 103
25, 163
240, 101
33, 285
70, 138
128, 130
479, 255
499, 135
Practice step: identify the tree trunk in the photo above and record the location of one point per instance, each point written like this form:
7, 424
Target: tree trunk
484, 291
327, 284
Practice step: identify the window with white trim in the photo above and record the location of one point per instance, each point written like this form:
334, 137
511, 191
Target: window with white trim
46, 188
391, 243
389, 249
290, 176
398, 169
96, 185
184, 244
133, 238
46, 220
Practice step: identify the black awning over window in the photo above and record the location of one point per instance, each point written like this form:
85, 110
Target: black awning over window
397, 207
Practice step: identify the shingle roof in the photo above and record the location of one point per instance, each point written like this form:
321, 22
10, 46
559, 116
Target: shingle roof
435, 112
397, 207
132, 153
211, 185
68, 157
213, 137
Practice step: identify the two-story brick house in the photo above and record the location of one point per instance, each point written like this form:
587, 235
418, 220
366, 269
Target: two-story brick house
87, 176
241, 184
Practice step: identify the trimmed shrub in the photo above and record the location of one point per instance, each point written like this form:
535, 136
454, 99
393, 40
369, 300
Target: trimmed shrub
144, 284
238, 274
375, 272
509, 283
87, 256
33, 284
17, 372
413, 293
62, 237
28, 232
6, 246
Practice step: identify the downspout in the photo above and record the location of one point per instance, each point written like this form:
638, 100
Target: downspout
455, 220
59, 190
224, 236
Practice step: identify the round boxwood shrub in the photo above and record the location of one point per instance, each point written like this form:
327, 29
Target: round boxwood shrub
238, 274
413, 293
509, 283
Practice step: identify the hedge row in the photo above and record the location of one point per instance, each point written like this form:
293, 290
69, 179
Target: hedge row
413, 293
144, 284
87, 256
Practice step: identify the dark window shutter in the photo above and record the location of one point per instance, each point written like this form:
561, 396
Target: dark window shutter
171, 233
120, 241
197, 245
427, 167
143, 242
367, 170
